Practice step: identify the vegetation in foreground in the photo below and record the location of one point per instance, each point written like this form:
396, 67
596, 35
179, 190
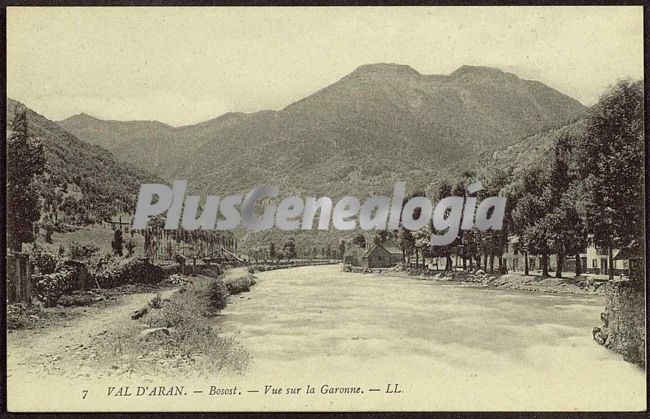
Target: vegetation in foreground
176, 335
181, 334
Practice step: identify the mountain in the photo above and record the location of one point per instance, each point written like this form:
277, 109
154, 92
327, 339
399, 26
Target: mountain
82, 182
378, 124
112, 134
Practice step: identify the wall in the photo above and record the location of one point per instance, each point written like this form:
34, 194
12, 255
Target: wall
623, 330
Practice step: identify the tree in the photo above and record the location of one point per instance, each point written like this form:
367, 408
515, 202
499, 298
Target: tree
529, 215
406, 242
118, 242
26, 161
359, 240
342, 246
290, 248
444, 191
380, 237
272, 251
48, 226
611, 166
130, 246
568, 235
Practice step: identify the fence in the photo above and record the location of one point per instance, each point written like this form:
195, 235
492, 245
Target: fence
19, 278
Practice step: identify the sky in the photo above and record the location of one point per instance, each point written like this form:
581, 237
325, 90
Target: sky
186, 65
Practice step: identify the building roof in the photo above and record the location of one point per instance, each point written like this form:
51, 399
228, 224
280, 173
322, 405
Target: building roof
389, 247
353, 249
631, 251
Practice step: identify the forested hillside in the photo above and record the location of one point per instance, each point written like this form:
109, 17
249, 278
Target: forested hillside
82, 183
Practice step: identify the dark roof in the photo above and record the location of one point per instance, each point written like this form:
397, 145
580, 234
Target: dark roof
631, 251
392, 248
353, 248
389, 247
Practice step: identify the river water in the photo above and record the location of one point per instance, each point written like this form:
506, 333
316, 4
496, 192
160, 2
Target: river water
447, 346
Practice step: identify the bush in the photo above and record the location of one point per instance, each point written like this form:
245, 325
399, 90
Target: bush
49, 287
86, 250
241, 284
45, 262
156, 301
217, 295
21, 315
113, 272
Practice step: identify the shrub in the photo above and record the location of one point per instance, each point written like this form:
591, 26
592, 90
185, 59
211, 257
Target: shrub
49, 287
156, 301
86, 250
217, 295
241, 284
113, 272
21, 315
44, 261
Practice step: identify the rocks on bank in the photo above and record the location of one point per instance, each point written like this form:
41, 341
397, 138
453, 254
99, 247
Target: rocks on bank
515, 281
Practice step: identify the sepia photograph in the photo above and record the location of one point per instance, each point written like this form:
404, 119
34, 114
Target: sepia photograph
268, 209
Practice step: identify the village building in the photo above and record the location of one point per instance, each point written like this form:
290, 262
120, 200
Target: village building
382, 256
632, 256
593, 260
353, 255
598, 261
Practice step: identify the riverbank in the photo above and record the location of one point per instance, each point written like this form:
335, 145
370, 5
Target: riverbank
262, 267
514, 281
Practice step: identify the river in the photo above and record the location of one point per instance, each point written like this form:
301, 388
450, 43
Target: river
447, 346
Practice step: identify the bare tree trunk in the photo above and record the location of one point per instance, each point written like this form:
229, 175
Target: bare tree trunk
560, 265
491, 264
448, 263
544, 265
526, 263
578, 265
611, 263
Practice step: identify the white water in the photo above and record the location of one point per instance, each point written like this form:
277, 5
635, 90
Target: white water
450, 347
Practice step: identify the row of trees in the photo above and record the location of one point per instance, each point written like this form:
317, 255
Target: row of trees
289, 250
588, 188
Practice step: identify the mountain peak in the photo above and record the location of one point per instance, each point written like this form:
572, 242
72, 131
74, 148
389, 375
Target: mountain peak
481, 72
81, 117
385, 69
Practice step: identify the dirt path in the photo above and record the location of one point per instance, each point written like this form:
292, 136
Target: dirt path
46, 349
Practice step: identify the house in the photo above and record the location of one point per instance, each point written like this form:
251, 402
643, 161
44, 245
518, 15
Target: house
515, 258
598, 261
633, 255
593, 260
382, 256
353, 255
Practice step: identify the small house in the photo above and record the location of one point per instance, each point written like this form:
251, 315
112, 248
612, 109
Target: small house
382, 256
632, 255
353, 255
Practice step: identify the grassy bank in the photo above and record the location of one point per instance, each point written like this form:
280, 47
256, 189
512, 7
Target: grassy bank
177, 335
